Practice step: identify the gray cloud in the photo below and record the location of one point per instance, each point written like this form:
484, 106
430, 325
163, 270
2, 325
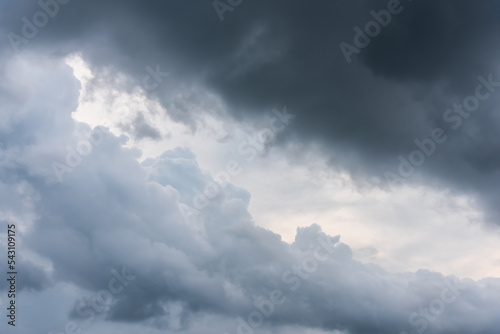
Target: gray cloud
265, 55
112, 211
141, 129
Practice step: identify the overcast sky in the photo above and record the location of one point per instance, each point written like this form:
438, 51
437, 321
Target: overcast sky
238, 166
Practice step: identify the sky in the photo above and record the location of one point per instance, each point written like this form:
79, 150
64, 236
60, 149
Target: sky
236, 166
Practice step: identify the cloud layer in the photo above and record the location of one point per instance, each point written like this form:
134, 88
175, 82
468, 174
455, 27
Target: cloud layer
396, 89
90, 212
111, 212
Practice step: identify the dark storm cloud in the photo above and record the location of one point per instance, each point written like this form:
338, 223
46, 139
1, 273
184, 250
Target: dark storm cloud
112, 212
34, 277
266, 54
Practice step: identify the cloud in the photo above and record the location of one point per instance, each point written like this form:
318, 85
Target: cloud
113, 212
265, 55
141, 129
